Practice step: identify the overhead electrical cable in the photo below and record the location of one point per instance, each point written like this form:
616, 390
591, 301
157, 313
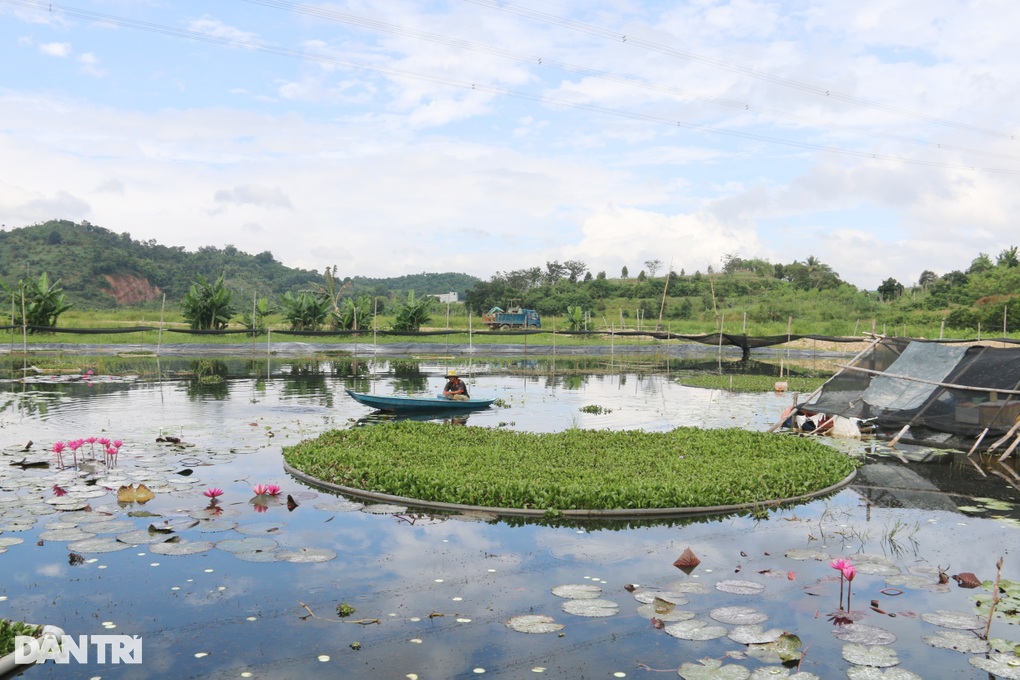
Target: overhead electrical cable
455, 83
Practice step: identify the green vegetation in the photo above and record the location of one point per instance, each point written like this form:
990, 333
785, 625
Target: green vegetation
752, 296
751, 383
575, 469
10, 630
41, 301
208, 306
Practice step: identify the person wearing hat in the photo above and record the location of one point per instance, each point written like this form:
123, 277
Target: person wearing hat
455, 387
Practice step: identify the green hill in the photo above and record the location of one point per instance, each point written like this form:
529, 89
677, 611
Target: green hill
99, 269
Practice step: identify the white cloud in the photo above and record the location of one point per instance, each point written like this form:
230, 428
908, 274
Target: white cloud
90, 65
55, 49
255, 195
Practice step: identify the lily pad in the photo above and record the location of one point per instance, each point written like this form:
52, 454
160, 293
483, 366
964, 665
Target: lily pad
307, 555
774, 672
102, 544
863, 634
578, 591
648, 611
784, 649
180, 547
534, 623
591, 608
807, 554
713, 669
754, 635
648, 596
967, 643
870, 673
738, 616
695, 629
878, 656
737, 587
998, 664
952, 619
140, 537
249, 544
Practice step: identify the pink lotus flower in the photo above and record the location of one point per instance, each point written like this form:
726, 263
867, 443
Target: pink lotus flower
58, 449
213, 493
58, 491
840, 564
260, 489
105, 441
849, 571
117, 443
273, 490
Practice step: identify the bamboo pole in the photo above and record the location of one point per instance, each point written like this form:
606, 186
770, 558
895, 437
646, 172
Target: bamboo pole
159, 332
1012, 447
1002, 440
819, 389
978, 442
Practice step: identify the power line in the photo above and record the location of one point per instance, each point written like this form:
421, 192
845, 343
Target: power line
481, 87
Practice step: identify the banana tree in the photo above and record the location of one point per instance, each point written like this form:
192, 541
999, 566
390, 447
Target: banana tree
413, 313
208, 306
42, 302
305, 311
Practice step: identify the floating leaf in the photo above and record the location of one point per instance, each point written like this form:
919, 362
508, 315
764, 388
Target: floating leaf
806, 554
180, 547
695, 629
738, 616
952, 619
784, 649
870, 673
713, 669
648, 611
648, 596
878, 656
967, 643
534, 623
740, 587
687, 561
134, 494
591, 608
998, 664
754, 635
863, 634
772, 672
580, 591
307, 555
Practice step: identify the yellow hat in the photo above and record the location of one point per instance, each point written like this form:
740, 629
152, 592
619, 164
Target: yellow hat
451, 374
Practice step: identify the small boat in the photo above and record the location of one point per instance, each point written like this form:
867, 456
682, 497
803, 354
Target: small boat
408, 403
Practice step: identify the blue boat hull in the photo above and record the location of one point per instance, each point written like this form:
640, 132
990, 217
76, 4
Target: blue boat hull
399, 403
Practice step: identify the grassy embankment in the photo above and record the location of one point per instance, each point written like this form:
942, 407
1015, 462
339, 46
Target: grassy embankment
571, 470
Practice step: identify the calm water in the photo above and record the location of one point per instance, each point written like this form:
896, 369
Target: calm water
433, 594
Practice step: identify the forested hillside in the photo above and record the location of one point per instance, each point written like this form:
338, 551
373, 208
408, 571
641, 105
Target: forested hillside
100, 269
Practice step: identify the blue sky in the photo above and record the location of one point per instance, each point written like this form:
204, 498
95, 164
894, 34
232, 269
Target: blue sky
478, 136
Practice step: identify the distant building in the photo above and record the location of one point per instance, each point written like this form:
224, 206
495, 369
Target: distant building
448, 297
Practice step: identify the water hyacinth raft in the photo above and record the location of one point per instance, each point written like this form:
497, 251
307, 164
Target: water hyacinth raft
573, 470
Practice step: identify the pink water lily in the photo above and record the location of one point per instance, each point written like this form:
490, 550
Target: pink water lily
273, 490
111, 454
260, 489
105, 441
840, 563
213, 493
58, 449
847, 571
117, 443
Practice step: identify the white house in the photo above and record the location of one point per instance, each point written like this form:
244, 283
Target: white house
448, 297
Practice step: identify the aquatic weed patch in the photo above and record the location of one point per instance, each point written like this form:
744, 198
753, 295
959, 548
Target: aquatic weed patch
751, 383
571, 470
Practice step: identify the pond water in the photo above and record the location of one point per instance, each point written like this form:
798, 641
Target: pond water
433, 595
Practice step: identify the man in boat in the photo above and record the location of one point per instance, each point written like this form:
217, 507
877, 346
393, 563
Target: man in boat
455, 388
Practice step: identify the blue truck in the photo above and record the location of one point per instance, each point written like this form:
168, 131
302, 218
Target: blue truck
514, 318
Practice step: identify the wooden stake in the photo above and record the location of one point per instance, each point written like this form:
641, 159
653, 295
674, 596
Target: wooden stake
1012, 447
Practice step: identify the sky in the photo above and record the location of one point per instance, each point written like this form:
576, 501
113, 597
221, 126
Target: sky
483, 136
